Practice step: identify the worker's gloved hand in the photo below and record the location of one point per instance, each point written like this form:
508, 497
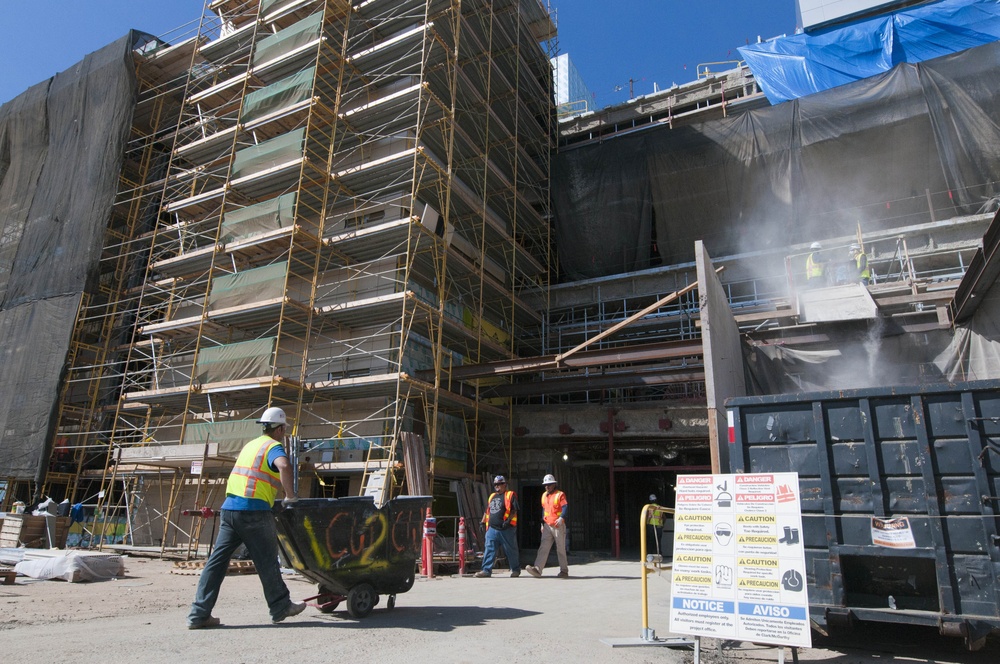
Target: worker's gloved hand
290, 500
506, 525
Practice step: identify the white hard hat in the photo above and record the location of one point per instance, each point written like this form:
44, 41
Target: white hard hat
815, 245
549, 479
652, 497
273, 415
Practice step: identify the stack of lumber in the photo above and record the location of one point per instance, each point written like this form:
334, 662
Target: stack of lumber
415, 463
29, 531
472, 497
194, 567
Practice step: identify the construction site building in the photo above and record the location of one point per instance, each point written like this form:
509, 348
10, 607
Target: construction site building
366, 213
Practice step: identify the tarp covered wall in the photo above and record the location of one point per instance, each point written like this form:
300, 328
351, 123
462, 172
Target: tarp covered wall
974, 352
868, 152
61, 148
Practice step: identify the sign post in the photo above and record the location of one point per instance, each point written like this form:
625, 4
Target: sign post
739, 559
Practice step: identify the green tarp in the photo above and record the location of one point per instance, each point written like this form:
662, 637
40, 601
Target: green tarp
274, 46
256, 285
230, 436
279, 150
247, 359
267, 216
279, 95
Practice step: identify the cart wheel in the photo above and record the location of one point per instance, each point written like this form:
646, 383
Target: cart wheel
328, 600
390, 603
331, 604
361, 599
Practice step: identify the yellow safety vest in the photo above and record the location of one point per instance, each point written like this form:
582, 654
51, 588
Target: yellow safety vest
862, 260
655, 516
814, 268
252, 477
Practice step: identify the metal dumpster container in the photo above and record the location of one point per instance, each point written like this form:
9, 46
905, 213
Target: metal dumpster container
899, 499
352, 549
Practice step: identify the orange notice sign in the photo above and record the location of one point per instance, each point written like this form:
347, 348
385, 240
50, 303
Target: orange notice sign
893, 533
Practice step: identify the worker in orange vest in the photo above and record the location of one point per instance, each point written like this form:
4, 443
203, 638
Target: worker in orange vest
501, 528
554, 506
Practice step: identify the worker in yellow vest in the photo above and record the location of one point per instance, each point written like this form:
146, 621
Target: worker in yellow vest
655, 522
815, 267
261, 468
861, 262
554, 507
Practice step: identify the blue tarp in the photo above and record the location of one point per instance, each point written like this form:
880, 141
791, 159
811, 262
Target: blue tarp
791, 67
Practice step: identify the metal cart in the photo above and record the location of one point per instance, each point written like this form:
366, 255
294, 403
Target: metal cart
352, 549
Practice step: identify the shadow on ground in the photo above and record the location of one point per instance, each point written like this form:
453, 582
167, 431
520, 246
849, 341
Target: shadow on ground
424, 619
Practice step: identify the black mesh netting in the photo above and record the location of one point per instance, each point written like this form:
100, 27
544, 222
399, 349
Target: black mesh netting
61, 149
878, 152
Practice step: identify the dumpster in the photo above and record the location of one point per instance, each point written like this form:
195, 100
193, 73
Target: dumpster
353, 550
900, 503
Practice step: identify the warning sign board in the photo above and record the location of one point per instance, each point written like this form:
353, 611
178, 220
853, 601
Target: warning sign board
739, 559
893, 533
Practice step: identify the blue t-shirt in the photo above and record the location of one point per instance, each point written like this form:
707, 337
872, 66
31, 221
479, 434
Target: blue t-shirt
241, 504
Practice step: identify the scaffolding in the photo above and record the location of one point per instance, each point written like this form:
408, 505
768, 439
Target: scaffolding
104, 320
337, 204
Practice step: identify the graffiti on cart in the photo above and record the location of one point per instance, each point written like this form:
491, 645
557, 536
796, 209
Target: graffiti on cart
353, 538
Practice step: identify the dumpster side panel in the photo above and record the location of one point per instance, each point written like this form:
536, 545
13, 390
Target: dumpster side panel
929, 454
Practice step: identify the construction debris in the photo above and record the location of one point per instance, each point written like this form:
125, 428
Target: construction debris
72, 566
194, 567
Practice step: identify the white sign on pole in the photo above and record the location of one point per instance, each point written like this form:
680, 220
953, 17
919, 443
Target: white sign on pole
739, 561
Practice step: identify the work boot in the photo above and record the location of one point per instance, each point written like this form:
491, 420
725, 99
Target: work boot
294, 609
515, 573
482, 574
210, 621
533, 571
563, 574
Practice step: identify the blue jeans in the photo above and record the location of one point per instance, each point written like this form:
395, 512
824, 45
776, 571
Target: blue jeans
256, 529
508, 539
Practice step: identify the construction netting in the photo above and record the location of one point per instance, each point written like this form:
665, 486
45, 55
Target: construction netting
278, 96
62, 143
917, 142
270, 215
230, 435
295, 36
278, 151
879, 353
259, 284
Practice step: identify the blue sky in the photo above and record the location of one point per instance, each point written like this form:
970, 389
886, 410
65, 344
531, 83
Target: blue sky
610, 41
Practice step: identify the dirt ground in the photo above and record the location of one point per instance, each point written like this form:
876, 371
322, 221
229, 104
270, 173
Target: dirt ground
141, 618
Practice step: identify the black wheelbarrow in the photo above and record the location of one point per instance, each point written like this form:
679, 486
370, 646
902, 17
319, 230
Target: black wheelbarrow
353, 550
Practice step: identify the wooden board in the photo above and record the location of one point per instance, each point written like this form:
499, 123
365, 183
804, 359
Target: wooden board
29, 531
